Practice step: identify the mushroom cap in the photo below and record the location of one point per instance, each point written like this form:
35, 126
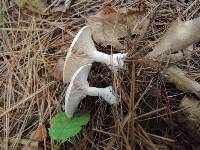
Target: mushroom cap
79, 53
75, 91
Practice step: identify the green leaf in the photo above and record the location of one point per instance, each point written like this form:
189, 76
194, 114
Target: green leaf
63, 128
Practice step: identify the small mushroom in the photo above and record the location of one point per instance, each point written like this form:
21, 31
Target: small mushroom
83, 51
79, 89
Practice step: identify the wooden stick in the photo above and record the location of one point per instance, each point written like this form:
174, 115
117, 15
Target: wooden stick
177, 76
180, 35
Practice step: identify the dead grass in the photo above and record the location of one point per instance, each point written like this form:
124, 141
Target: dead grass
30, 46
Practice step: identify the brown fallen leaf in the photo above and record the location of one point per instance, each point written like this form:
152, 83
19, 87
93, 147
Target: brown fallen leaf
59, 69
40, 134
56, 69
110, 25
36, 6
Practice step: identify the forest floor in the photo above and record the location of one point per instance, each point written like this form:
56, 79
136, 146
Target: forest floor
32, 91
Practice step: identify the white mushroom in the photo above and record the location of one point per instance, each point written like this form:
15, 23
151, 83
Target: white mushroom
79, 89
83, 51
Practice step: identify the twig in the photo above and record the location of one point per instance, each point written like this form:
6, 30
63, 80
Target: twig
26, 99
180, 35
177, 76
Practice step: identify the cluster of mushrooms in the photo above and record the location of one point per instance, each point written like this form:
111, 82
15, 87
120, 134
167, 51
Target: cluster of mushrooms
80, 56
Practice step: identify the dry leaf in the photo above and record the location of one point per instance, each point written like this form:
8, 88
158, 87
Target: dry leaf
57, 73
109, 25
36, 6
56, 70
40, 134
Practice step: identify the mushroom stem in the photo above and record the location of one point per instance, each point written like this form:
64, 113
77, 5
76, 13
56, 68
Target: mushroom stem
79, 88
83, 51
101, 57
106, 93
114, 60
118, 59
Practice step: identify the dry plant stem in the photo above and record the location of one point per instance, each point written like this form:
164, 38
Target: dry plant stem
25, 100
177, 76
26, 142
147, 138
15, 144
180, 35
161, 138
132, 106
174, 57
150, 113
128, 146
